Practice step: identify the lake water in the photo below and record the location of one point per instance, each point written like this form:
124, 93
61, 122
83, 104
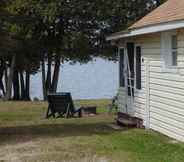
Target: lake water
94, 80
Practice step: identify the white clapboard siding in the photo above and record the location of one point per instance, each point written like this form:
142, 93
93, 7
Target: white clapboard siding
139, 115
139, 103
140, 108
168, 89
163, 107
163, 128
155, 63
168, 108
153, 57
181, 66
180, 50
166, 83
151, 52
172, 124
169, 77
139, 100
140, 94
165, 112
171, 96
181, 44
182, 72
166, 98
166, 101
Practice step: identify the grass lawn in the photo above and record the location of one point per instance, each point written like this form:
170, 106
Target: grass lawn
26, 136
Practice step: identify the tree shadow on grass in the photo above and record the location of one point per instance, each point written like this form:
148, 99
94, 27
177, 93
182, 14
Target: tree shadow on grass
27, 133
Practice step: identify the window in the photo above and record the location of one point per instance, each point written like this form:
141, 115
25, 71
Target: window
169, 49
121, 67
138, 67
174, 50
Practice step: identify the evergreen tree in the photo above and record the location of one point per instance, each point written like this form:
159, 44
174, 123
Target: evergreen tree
62, 30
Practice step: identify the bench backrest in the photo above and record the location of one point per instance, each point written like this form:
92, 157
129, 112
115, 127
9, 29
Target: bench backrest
59, 102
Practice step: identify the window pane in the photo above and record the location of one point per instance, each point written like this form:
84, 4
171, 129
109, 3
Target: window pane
121, 68
174, 50
138, 67
174, 58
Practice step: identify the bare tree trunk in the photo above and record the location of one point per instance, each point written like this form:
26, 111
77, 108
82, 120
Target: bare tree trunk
10, 79
6, 77
56, 74
27, 90
2, 68
43, 81
2, 87
48, 81
22, 85
16, 86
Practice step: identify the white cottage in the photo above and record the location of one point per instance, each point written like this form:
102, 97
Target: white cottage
151, 69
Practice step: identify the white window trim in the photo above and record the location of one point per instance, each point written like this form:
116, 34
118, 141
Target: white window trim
167, 49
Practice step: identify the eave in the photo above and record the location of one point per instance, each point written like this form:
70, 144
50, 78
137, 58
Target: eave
147, 30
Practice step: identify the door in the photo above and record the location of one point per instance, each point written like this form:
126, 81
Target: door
130, 77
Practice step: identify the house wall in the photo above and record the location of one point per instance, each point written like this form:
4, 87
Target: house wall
160, 103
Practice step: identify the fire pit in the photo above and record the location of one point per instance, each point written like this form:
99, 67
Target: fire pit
89, 110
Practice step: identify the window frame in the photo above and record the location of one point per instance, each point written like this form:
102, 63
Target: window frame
167, 52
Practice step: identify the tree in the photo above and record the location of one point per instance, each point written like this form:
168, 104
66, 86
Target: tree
66, 30
15, 40
159, 2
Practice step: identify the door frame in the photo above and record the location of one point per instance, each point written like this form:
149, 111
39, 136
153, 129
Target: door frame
146, 63
124, 72
130, 109
129, 99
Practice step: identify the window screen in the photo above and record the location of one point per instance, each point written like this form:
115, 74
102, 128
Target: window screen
174, 50
138, 67
121, 67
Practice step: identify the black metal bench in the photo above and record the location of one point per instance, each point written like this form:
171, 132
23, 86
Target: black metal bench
62, 105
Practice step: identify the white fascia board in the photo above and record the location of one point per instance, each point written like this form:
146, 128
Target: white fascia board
149, 30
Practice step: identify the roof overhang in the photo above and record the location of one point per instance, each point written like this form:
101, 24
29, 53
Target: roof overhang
147, 30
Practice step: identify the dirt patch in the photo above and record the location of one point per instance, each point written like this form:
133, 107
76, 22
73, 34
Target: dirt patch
14, 152
31, 151
91, 159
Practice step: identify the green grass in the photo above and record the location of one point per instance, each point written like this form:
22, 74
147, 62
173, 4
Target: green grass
26, 136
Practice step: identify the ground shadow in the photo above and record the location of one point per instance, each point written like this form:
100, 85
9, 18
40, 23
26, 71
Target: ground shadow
26, 133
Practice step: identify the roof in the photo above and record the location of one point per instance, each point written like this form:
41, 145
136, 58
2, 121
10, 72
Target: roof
172, 10
168, 16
